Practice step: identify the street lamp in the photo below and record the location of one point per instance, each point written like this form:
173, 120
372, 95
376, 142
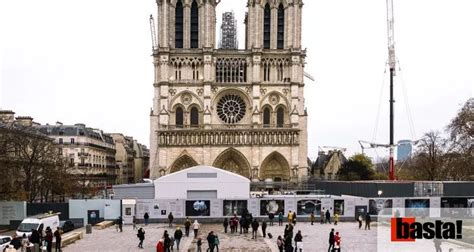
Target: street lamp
379, 192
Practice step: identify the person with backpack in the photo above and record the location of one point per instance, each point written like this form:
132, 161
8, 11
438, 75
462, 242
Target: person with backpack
178, 234
141, 237
280, 243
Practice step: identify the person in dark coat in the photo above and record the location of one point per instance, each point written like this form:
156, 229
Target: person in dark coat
178, 234
187, 225
264, 228
331, 240
16, 242
226, 224
120, 223
294, 218
57, 235
170, 219
280, 219
328, 216
211, 241
311, 217
280, 243
271, 216
134, 222
367, 221
34, 237
298, 238
167, 241
141, 237
146, 217
49, 239
254, 228
242, 223
288, 246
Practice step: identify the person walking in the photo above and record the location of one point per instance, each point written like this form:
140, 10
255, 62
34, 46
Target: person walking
293, 218
254, 228
178, 234
216, 242
322, 216
187, 225
271, 216
119, 223
331, 240
196, 228
134, 222
336, 218
280, 243
141, 237
337, 242
298, 238
328, 216
170, 219
290, 217
167, 241
160, 246
199, 244
264, 228
226, 224
146, 217
367, 221
359, 219
49, 239
311, 217
280, 218
210, 241
288, 245
35, 239
57, 236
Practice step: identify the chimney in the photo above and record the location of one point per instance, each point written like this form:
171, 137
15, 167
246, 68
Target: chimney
25, 121
7, 116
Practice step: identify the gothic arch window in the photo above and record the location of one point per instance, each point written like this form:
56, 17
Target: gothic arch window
266, 26
280, 117
194, 25
179, 117
194, 117
266, 117
280, 27
178, 26
275, 167
231, 108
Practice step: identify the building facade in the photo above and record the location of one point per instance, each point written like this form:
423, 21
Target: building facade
90, 151
228, 39
239, 110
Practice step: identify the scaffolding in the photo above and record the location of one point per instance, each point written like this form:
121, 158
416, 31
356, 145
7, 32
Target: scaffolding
228, 39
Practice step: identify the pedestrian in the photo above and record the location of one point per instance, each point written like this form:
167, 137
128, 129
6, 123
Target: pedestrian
178, 234
359, 219
322, 216
288, 245
226, 223
271, 216
337, 240
35, 239
216, 242
328, 216
210, 241
280, 243
199, 244
331, 240
254, 228
141, 237
146, 217
264, 228
160, 246
134, 222
290, 217
242, 223
167, 241
172, 242
24, 243
187, 225
336, 218
298, 238
170, 219
280, 218
49, 239
367, 221
196, 228
57, 235
312, 218
290, 231
293, 218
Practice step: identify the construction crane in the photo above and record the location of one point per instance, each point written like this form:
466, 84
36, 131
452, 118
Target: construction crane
392, 62
154, 45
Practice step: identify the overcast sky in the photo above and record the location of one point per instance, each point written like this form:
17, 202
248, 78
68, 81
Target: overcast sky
89, 61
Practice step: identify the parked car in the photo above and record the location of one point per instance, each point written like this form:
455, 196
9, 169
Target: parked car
66, 226
4, 241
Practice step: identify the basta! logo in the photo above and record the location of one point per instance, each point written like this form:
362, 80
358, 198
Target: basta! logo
408, 229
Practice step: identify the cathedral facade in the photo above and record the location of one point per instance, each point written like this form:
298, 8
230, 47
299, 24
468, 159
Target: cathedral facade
239, 110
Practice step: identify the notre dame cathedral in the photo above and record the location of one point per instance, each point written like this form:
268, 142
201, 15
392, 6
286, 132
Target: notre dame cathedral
239, 110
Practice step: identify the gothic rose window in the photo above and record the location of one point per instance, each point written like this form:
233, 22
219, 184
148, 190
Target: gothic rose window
231, 108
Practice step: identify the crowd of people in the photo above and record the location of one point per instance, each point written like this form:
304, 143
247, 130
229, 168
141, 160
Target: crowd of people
39, 240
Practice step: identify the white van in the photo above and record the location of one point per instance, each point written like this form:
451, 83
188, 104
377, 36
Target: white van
38, 222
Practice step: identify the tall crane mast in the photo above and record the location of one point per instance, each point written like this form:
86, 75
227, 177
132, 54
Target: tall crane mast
391, 64
154, 45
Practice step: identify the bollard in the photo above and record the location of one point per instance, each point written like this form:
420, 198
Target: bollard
88, 229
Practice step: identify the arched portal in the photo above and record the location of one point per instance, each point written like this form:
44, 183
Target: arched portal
276, 167
234, 161
183, 162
